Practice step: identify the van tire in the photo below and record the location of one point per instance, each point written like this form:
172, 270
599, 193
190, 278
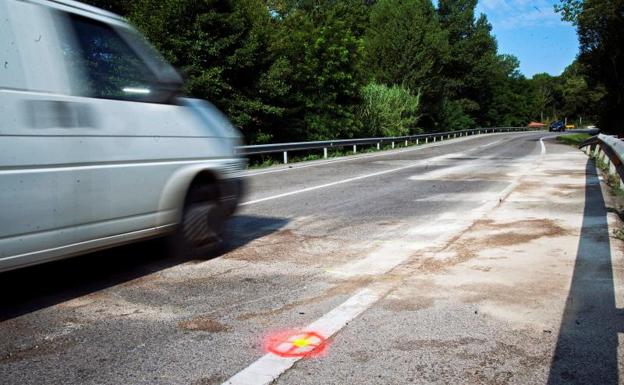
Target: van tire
198, 235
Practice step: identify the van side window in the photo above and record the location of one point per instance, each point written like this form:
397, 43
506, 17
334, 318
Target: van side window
11, 73
112, 69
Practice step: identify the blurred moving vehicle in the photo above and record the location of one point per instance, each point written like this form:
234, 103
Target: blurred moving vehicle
97, 148
557, 126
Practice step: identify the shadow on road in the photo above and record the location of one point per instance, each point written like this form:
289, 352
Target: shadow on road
586, 351
33, 288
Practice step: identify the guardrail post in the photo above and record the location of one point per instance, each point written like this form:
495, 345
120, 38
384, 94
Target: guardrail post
285, 157
612, 170
448, 136
392, 144
355, 149
325, 153
405, 142
417, 141
378, 145
434, 139
426, 140
454, 136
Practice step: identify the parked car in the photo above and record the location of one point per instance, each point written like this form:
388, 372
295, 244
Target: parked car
97, 147
558, 126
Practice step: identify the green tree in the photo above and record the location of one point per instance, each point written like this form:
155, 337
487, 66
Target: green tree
321, 55
222, 47
600, 26
511, 101
579, 100
544, 95
472, 59
406, 46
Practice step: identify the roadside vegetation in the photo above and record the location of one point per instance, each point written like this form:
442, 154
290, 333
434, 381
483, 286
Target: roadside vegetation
573, 139
616, 191
296, 70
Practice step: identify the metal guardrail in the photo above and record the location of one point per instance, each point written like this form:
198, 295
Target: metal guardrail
608, 149
340, 143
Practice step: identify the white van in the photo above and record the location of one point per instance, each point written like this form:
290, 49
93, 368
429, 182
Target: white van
97, 148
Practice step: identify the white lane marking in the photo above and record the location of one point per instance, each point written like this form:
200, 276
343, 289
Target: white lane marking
491, 144
269, 367
543, 145
343, 181
365, 156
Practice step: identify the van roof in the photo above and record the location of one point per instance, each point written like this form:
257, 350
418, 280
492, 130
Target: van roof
89, 9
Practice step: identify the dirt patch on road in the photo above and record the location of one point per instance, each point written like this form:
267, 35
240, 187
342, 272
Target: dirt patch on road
343, 288
491, 233
486, 234
212, 380
45, 347
411, 345
290, 246
408, 304
203, 324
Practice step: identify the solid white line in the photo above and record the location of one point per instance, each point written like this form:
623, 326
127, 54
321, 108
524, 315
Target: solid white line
269, 367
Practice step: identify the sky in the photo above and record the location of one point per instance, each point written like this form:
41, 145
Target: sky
533, 32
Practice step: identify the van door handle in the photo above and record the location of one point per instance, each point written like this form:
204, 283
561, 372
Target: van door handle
58, 114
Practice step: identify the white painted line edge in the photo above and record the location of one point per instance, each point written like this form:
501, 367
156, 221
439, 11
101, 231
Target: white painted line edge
269, 367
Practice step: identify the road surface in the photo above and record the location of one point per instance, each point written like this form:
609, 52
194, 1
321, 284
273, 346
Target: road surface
480, 260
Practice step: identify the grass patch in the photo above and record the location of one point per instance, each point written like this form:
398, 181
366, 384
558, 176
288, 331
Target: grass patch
573, 139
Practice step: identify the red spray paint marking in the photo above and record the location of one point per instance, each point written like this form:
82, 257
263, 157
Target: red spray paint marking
296, 344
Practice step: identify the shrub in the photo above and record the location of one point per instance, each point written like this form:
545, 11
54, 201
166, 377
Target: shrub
389, 111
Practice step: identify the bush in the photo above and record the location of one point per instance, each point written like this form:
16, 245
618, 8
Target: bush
453, 116
389, 111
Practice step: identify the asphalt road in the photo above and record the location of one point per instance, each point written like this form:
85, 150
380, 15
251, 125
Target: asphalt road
447, 263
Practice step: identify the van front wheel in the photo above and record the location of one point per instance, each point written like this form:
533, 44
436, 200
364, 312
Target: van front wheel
199, 232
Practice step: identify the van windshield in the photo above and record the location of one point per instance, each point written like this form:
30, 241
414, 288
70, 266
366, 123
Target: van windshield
112, 68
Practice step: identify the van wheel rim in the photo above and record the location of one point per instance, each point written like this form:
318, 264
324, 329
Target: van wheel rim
201, 224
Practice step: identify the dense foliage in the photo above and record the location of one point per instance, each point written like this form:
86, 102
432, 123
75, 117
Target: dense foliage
314, 69
600, 27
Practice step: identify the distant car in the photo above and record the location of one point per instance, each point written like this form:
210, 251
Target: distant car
558, 126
